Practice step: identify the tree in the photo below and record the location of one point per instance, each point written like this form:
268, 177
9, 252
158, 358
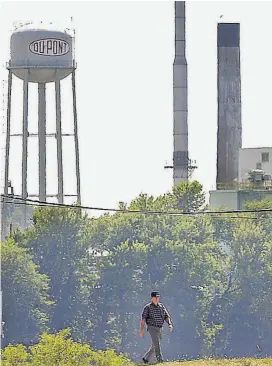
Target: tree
214, 273
203, 265
252, 252
244, 310
60, 245
121, 281
146, 252
26, 304
187, 196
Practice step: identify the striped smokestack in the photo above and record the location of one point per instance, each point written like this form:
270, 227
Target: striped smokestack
180, 96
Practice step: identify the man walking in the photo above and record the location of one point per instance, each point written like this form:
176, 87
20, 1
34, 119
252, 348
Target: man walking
154, 315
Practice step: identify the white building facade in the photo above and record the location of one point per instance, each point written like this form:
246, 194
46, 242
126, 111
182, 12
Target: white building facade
236, 194
259, 158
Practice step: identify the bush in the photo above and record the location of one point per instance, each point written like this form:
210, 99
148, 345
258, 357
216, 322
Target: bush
15, 356
59, 350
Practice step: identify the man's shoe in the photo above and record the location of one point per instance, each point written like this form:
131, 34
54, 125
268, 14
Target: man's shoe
145, 361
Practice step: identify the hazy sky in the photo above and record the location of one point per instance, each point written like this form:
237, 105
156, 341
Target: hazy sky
124, 52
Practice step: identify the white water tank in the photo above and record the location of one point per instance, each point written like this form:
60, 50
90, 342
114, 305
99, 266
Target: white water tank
45, 55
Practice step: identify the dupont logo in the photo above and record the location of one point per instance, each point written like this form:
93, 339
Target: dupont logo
49, 47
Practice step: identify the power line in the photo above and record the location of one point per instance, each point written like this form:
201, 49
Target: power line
31, 202
160, 213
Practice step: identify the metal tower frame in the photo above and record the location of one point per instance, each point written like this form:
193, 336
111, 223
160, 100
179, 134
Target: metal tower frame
42, 137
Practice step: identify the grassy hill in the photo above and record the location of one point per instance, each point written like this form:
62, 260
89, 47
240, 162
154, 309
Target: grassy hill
237, 362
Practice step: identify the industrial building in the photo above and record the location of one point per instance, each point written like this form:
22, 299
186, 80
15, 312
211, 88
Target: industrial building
243, 174
43, 56
254, 182
259, 158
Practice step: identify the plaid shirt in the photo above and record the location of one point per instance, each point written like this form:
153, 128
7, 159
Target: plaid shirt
155, 315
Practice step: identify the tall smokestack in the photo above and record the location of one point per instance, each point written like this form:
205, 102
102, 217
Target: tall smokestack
229, 133
180, 93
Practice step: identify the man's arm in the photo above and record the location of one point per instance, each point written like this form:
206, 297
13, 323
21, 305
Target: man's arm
142, 325
143, 320
167, 317
169, 322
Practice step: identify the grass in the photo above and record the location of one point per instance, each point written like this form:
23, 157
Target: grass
235, 362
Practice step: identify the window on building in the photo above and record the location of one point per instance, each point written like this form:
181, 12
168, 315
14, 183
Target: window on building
259, 166
265, 157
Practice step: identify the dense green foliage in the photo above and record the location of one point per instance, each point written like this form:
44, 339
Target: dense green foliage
59, 350
26, 305
214, 273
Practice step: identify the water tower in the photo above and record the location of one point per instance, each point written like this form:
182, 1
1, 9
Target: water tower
41, 56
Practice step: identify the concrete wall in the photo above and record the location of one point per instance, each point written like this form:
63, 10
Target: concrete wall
235, 200
222, 198
229, 134
251, 158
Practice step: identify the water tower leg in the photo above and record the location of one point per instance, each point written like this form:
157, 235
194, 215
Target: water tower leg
42, 142
59, 142
25, 147
4, 207
76, 137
